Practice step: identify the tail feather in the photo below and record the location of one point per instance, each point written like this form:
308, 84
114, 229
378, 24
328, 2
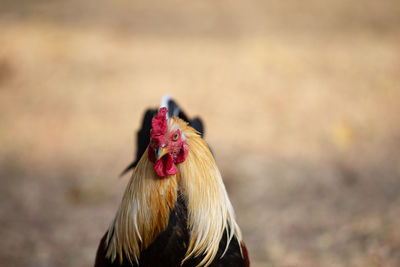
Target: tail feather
142, 138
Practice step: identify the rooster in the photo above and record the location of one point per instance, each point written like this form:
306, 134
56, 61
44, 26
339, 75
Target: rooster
175, 210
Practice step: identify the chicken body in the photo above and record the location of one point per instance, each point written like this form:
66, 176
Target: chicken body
175, 210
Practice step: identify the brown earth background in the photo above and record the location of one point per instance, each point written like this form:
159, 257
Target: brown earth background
300, 101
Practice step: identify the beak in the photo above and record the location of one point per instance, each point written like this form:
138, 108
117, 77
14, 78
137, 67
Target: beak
161, 151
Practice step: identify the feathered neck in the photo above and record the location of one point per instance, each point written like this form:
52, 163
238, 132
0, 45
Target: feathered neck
148, 200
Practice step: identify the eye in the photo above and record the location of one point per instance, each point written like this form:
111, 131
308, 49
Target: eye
175, 137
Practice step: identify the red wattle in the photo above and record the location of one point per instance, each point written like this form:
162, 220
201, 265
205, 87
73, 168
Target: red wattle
170, 168
159, 168
165, 166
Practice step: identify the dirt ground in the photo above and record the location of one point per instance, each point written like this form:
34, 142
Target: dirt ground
300, 101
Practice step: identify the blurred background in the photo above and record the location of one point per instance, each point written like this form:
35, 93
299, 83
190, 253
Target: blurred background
300, 101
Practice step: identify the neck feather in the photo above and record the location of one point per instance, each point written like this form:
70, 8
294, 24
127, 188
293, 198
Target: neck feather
210, 210
143, 213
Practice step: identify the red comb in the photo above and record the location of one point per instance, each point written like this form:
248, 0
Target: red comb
159, 125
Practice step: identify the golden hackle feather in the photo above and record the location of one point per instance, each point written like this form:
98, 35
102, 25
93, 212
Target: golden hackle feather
143, 213
148, 199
